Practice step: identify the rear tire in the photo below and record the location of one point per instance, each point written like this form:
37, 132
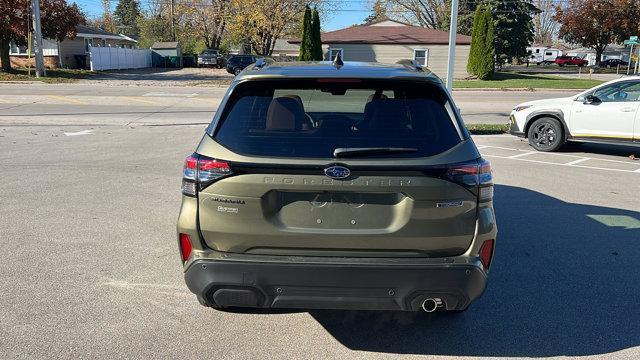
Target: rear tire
546, 134
237, 71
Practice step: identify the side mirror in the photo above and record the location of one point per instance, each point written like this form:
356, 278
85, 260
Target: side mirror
592, 99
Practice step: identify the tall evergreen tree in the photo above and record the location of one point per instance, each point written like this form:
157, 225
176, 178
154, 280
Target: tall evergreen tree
477, 40
316, 40
127, 13
486, 64
305, 45
482, 53
513, 20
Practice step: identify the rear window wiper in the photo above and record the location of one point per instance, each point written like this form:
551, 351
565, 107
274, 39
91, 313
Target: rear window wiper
349, 152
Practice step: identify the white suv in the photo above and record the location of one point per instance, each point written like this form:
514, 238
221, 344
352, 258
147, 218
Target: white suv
606, 113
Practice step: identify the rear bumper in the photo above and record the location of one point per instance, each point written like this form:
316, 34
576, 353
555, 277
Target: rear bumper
390, 284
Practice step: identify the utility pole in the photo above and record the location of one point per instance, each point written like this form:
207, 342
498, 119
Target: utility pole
37, 29
453, 30
173, 29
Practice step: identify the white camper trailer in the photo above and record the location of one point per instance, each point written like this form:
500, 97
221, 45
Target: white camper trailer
542, 55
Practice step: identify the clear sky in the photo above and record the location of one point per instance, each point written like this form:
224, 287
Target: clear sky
347, 12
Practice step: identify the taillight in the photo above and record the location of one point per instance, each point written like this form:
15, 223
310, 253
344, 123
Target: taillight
486, 253
200, 171
185, 246
474, 174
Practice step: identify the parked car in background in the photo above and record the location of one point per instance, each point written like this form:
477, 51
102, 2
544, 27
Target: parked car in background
571, 60
613, 63
347, 186
605, 113
211, 57
237, 63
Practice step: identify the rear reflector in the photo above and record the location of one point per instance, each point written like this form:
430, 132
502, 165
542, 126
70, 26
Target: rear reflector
185, 246
486, 253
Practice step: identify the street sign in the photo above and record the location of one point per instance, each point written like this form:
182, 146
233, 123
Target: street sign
631, 42
633, 38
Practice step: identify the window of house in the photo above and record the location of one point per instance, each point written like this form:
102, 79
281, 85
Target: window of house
87, 43
334, 51
537, 51
421, 56
17, 50
104, 43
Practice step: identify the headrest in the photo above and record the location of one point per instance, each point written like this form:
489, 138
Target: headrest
284, 113
386, 115
372, 96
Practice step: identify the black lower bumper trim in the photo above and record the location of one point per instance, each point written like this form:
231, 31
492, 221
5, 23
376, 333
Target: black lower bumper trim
224, 283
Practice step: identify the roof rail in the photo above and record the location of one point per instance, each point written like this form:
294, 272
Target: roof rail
262, 62
411, 64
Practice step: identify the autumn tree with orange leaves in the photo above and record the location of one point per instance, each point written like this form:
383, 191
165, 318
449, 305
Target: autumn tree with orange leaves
597, 23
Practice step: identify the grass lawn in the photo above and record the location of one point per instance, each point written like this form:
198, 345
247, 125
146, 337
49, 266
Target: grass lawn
53, 76
511, 80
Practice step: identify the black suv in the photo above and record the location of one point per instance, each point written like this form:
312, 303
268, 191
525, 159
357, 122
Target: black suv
237, 63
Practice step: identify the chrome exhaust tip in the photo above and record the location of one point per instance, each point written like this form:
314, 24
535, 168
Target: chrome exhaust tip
430, 304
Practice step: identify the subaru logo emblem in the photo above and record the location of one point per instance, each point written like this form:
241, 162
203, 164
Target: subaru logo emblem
337, 172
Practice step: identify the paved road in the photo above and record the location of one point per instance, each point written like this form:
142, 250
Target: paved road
101, 104
90, 267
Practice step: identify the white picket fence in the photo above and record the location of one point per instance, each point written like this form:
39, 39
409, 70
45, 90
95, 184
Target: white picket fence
112, 58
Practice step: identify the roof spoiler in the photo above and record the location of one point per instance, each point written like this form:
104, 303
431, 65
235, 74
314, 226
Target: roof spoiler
411, 64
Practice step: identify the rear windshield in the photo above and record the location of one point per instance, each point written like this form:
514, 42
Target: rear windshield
311, 119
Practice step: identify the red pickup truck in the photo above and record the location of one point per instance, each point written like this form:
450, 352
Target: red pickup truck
570, 60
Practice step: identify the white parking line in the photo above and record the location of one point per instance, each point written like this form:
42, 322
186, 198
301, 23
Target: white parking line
577, 161
561, 164
78, 133
554, 154
521, 155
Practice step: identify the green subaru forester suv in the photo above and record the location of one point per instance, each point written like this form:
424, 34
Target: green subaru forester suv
334, 185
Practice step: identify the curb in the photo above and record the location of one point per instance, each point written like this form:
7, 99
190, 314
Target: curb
22, 82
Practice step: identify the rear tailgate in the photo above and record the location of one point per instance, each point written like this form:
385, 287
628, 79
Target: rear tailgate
278, 138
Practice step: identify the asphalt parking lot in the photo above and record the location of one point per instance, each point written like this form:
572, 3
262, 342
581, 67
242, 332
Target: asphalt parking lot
90, 266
